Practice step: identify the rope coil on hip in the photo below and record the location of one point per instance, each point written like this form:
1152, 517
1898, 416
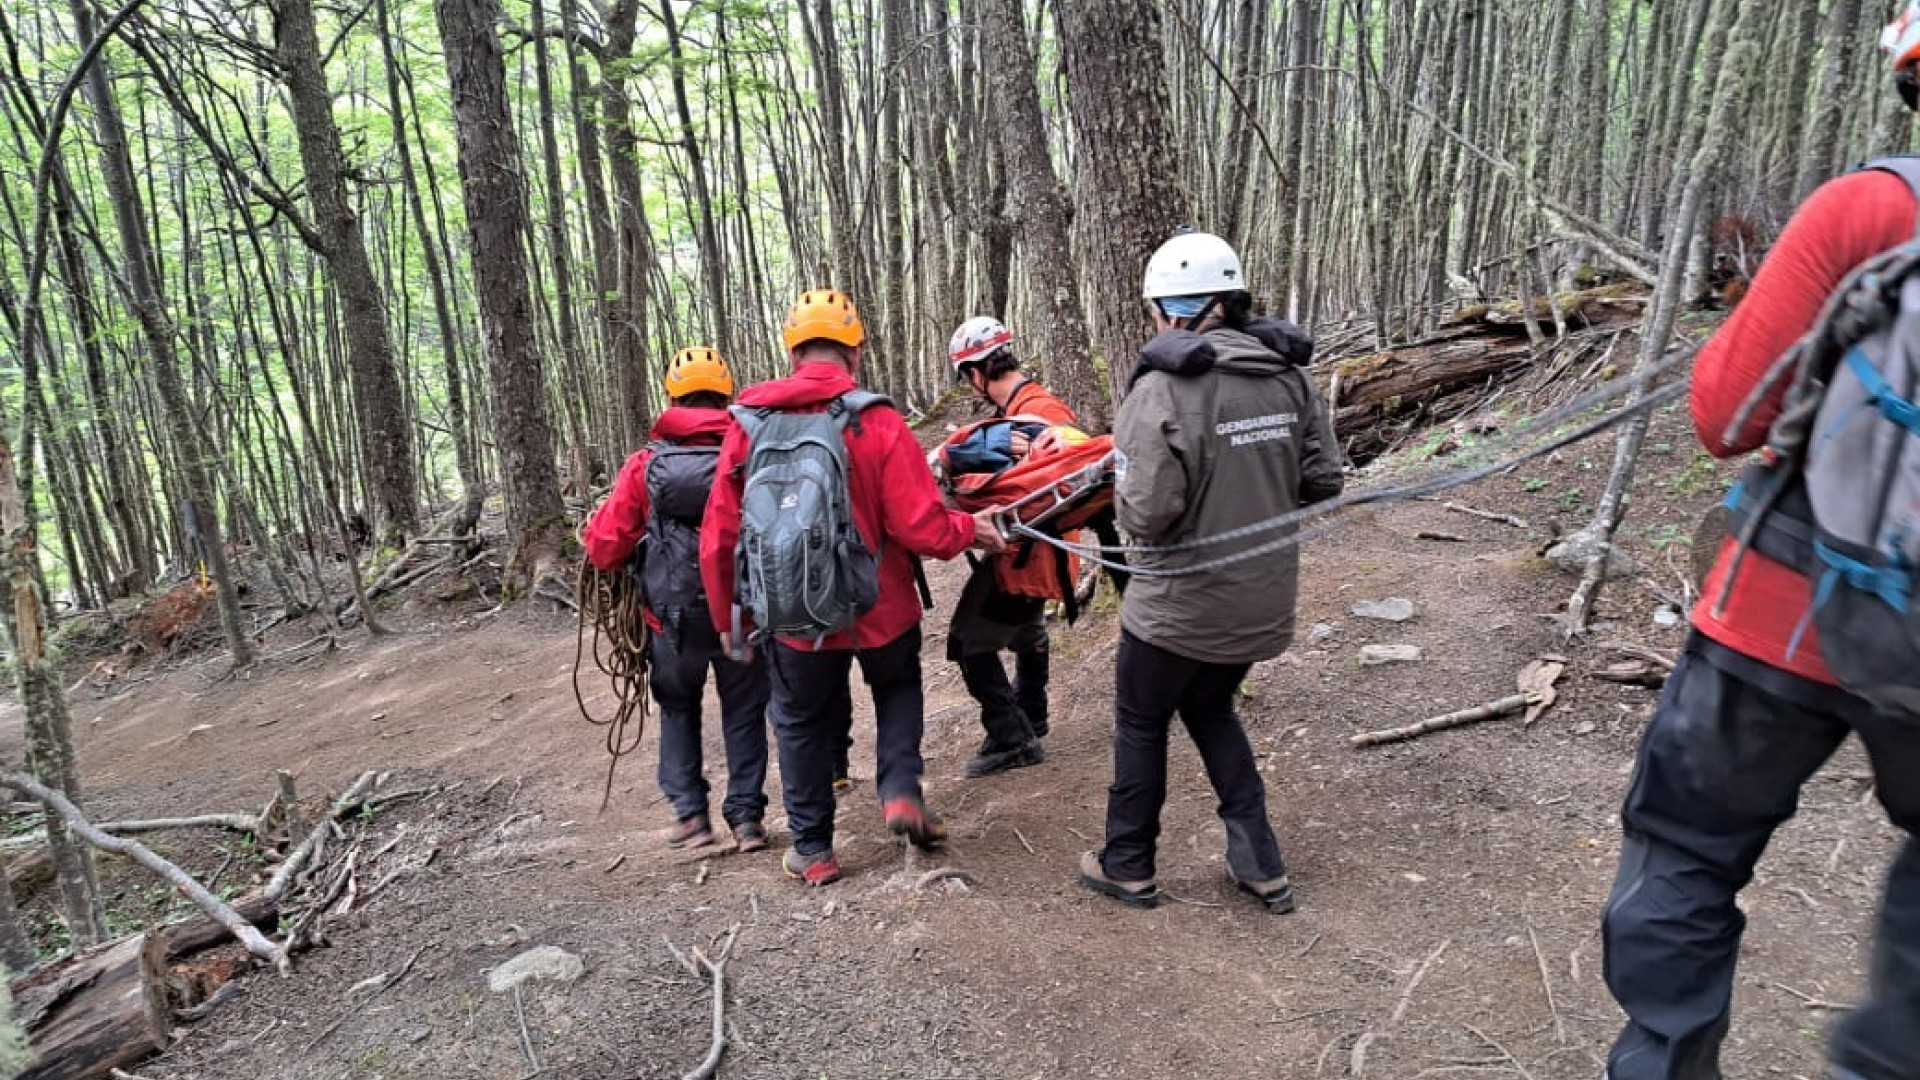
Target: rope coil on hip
620, 644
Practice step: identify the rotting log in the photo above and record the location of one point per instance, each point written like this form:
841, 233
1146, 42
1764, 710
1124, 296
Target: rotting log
96, 1011
1476, 345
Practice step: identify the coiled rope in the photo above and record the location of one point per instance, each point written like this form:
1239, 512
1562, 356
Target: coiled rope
610, 605
1294, 524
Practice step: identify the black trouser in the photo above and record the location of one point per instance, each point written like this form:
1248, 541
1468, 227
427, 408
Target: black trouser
1720, 768
985, 622
813, 712
1151, 685
681, 657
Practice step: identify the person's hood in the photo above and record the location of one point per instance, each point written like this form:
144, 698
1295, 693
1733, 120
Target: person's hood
812, 384
684, 424
1262, 345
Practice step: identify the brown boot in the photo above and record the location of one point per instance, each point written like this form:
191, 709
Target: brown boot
1276, 893
690, 832
1140, 894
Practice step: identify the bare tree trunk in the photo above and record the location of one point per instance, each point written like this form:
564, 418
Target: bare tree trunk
1821, 145
1127, 193
149, 309
496, 198
1037, 211
626, 310
386, 444
1713, 131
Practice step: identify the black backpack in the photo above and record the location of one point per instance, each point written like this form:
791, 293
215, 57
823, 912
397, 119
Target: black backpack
679, 479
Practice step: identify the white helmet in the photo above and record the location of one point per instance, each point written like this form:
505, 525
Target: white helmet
1192, 264
1901, 38
977, 339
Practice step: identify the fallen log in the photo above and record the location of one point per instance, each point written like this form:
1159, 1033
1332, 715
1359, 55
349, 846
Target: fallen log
96, 1011
191, 935
1477, 344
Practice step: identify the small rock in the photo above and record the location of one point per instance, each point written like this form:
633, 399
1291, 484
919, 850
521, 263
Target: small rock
1318, 633
1392, 609
1572, 555
542, 962
1666, 618
1585, 727
419, 1035
1417, 879
1376, 655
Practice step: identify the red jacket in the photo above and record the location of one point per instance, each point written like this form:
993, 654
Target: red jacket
1846, 222
896, 506
1031, 399
616, 528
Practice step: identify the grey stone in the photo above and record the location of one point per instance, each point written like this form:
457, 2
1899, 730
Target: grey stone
1376, 655
545, 962
1392, 609
1318, 633
1666, 618
1572, 555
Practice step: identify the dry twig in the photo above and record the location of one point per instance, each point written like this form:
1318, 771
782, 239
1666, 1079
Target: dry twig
1460, 718
716, 967
1357, 1058
1546, 984
283, 877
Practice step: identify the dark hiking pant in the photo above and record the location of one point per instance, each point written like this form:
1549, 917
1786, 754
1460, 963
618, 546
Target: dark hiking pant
1151, 685
1720, 768
681, 658
986, 622
813, 714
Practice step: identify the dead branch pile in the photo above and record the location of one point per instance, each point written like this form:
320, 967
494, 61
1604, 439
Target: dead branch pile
1378, 398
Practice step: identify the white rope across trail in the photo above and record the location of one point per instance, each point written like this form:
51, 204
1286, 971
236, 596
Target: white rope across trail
1293, 524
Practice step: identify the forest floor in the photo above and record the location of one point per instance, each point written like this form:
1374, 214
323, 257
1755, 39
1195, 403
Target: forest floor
1475, 862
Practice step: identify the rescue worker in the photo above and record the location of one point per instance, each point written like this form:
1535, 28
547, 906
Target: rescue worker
988, 619
1220, 430
898, 512
1750, 713
654, 511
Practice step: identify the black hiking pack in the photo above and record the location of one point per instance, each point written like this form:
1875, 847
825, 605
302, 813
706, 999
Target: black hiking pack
678, 481
803, 569
1837, 495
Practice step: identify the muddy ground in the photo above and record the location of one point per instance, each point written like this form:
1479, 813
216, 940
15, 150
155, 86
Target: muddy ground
1482, 855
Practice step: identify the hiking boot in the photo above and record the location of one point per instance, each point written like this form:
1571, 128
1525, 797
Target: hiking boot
692, 831
749, 836
909, 817
1276, 893
988, 762
812, 870
1140, 894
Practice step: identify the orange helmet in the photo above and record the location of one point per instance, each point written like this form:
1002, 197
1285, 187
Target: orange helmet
696, 369
824, 314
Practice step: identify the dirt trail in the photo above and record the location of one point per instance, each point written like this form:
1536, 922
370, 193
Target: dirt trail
1485, 840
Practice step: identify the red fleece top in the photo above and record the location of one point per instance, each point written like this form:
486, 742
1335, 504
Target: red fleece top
616, 528
1846, 222
896, 505
1032, 399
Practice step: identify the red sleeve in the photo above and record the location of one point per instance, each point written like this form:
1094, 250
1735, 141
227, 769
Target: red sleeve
616, 528
911, 509
720, 528
1846, 222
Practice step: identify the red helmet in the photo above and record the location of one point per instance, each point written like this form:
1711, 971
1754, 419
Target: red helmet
977, 339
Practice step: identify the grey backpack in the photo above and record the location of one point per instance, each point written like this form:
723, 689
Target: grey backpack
803, 569
1839, 495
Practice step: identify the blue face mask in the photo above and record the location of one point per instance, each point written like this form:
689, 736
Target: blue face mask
1182, 307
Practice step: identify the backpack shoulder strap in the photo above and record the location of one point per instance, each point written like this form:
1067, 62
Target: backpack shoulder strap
846, 408
1904, 166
